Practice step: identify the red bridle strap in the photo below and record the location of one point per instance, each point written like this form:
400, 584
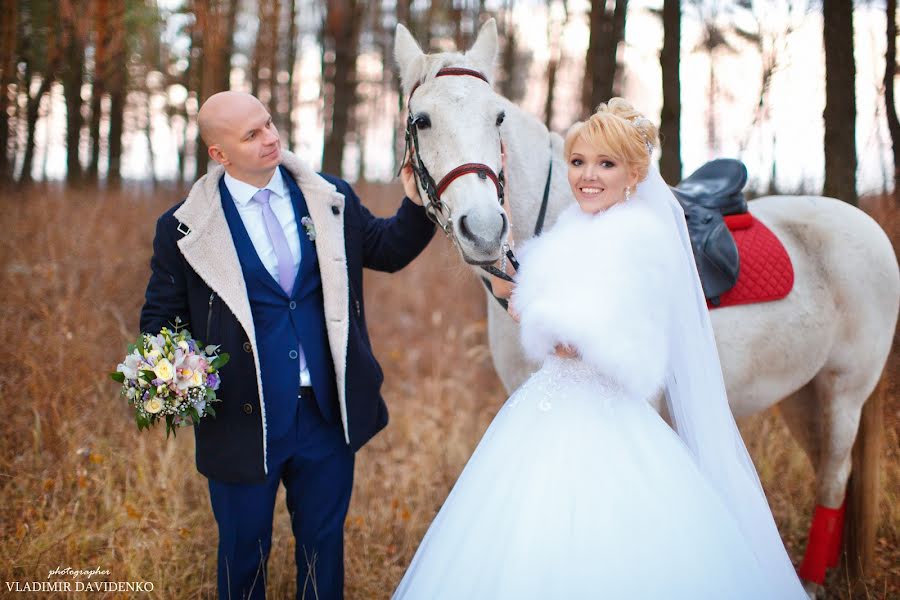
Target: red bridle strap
481, 170
453, 71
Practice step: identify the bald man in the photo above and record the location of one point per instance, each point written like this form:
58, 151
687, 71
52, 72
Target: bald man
264, 258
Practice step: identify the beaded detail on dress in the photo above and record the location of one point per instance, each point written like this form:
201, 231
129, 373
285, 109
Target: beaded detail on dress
557, 373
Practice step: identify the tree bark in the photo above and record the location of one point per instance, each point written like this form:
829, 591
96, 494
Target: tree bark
51, 69
262, 78
32, 113
73, 79
8, 38
341, 37
890, 71
227, 48
554, 32
552, 66
288, 135
117, 83
607, 32
101, 46
840, 101
670, 118
509, 87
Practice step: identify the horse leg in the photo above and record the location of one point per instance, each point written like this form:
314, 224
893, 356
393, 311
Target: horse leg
840, 405
800, 414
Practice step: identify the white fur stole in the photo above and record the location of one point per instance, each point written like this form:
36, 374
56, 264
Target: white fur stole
598, 283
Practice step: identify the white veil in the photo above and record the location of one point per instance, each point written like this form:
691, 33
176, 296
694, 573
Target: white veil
698, 404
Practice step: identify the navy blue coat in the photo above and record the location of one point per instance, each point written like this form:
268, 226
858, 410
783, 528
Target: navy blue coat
196, 276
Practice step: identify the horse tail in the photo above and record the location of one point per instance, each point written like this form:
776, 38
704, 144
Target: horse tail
863, 489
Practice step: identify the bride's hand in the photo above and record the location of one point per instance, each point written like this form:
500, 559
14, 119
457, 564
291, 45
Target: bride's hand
566, 351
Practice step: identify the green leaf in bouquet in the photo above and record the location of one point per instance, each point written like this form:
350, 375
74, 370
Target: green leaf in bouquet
195, 416
210, 410
210, 395
220, 361
117, 376
170, 427
148, 375
142, 420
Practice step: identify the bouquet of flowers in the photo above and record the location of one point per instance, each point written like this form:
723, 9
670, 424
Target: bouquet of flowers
170, 375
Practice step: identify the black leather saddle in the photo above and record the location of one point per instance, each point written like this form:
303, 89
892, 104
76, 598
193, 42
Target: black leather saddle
707, 195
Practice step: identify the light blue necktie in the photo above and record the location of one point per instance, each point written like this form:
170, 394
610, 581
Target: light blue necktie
279, 242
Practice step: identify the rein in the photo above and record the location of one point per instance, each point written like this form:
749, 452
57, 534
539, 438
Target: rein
538, 228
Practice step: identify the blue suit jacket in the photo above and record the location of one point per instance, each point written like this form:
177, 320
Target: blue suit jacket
196, 275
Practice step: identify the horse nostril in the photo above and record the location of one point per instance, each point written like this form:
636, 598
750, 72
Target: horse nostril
464, 229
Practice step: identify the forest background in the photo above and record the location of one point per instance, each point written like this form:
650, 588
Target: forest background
98, 136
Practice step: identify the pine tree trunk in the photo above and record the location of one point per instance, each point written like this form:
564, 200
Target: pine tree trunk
555, 30
890, 72
73, 79
118, 80
840, 101
272, 54
8, 38
32, 112
215, 24
552, 67
607, 31
508, 87
288, 135
670, 117
197, 77
227, 46
101, 46
341, 35
263, 51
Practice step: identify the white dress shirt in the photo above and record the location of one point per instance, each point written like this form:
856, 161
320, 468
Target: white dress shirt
252, 216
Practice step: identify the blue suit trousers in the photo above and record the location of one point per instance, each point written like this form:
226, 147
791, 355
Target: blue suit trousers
316, 466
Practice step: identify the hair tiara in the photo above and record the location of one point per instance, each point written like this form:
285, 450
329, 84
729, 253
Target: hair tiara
636, 122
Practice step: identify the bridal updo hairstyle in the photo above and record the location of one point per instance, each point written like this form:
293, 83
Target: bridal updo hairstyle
621, 132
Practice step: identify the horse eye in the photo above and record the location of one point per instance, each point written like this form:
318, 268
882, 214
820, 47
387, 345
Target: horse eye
500, 118
422, 121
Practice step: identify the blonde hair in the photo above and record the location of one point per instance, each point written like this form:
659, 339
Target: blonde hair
620, 131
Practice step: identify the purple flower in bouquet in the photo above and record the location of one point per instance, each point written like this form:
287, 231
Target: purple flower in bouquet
213, 381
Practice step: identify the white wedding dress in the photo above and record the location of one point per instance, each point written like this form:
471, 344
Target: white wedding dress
579, 489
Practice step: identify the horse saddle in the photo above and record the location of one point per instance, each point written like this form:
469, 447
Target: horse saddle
712, 192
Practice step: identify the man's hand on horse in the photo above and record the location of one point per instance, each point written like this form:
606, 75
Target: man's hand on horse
409, 183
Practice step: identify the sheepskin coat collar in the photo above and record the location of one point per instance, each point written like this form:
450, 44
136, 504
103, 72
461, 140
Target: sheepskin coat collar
209, 249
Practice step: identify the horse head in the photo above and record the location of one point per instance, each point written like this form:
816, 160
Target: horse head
453, 140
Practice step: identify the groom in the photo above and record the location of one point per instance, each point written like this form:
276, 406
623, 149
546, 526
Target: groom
264, 258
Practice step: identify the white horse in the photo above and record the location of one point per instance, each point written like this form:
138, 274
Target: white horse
819, 352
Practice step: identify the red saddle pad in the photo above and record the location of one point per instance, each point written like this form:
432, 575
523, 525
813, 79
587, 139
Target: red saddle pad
766, 272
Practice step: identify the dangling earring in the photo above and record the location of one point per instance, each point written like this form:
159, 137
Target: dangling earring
627, 192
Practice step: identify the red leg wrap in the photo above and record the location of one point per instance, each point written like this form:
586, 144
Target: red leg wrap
820, 546
835, 557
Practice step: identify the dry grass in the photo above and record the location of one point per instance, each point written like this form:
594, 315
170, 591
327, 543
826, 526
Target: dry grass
82, 488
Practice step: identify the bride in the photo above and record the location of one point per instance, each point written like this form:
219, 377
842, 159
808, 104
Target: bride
579, 489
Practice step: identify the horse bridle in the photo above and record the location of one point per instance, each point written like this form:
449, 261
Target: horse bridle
437, 211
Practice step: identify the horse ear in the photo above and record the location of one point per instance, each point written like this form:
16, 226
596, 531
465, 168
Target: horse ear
483, 52
409, 57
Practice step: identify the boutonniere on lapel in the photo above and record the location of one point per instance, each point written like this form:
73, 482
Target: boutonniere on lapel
309, 227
